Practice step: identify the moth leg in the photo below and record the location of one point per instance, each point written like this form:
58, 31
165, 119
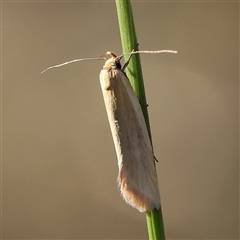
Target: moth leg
127, 62
142, 104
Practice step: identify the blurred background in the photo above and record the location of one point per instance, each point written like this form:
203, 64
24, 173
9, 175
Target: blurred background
59, 166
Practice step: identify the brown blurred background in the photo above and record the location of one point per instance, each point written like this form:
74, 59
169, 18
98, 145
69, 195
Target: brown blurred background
59, 166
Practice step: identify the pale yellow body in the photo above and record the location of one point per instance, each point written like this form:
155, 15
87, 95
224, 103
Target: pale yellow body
137, 177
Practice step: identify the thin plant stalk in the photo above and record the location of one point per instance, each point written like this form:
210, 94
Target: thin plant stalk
134, 72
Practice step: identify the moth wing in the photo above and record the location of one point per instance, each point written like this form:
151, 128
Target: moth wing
137, 177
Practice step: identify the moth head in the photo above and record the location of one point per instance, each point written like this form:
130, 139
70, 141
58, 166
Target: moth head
112, 60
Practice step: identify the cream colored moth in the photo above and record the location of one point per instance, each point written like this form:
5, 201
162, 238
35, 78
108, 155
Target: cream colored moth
137, 178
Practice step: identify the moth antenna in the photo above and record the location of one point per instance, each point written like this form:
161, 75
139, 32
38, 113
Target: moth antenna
133, 52
156, 51
72, 61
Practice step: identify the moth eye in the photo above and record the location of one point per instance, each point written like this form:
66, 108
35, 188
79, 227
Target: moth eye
118, 64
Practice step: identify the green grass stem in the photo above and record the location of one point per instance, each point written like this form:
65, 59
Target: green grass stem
134, 72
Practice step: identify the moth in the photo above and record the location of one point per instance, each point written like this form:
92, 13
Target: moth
137, 178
